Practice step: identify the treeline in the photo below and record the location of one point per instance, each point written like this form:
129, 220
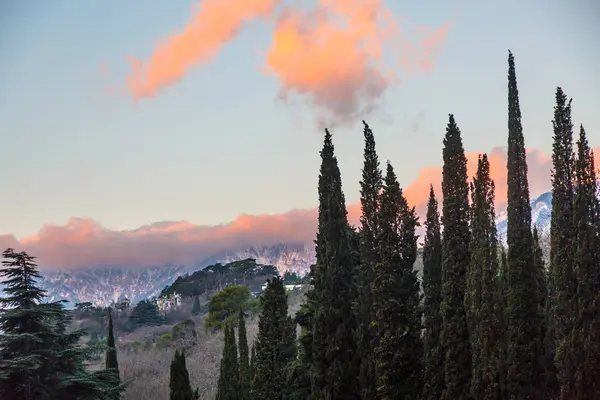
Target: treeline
491, 323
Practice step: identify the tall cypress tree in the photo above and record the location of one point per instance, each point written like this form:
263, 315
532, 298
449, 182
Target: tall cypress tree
274, 344
396, 298
486, 328
524, 342
334, 363
179, 385
586, 329
244, 361
111, 351
562, 235
455, 262
196, 306
371, 185
228, 387
432, 289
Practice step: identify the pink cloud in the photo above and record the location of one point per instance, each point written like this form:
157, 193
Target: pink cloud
84, 242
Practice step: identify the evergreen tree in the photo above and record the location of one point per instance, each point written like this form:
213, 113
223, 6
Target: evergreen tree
455, 262
562, 235
228, 386
243, 361
524, 342
275, 344
432, 289
38, 358
179, 385
586, 332
396, 298
371, 185
111, 351
196, 306
485, 324
334, 362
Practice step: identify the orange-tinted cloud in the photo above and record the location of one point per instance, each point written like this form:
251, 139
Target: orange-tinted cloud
214, 23
334, 55
84, 242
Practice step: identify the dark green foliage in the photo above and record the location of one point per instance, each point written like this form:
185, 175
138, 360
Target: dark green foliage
562, 234
370, 187
145, 313
38, 358
483, 304
299, 378
244, 361
586, 332
179, 385
196, 309
524, 342
111, 352
334, 362
218, 276
396, 298
455, 262
275, 345
433, 378
292, 278
225, 305
228, 387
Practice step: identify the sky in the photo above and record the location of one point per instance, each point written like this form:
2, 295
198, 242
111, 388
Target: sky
136, 133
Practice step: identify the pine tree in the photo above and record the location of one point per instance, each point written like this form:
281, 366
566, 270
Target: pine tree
39, 359
243, 360
486, 327
524, 342
586, 329
396, 298
371, 185
196, 306
228, 386
562, 235
334, 366
432, 289
274, 344
179, 385
455, 262
111, 351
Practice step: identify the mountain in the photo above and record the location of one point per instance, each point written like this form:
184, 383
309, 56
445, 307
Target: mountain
102, 286
105, 285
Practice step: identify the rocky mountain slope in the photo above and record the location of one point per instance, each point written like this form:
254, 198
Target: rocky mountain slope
105, 285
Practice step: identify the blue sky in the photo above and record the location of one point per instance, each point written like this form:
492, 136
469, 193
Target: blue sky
218, 143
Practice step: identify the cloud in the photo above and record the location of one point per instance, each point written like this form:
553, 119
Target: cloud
332, 55
85, 243
214, 23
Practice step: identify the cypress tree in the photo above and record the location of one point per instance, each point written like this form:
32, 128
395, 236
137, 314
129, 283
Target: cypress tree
455, 262
562, 235
274, 344
196, 306
432, 289
244, 361
524, 342
179, 385
586, 330
371, 185
228, 386
396, 298
111, 351
334, 363
486, 328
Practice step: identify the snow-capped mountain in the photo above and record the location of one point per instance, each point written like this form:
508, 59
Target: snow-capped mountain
105, 285
541, 212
